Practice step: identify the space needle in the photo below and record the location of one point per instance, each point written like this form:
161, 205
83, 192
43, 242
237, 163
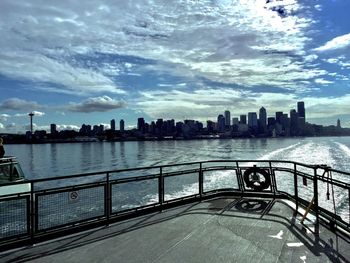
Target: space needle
31, 121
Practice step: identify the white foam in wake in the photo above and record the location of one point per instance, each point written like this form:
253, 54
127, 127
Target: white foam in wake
274, 153
344, 148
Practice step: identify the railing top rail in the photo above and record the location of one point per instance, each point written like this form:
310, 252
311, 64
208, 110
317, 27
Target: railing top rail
235, 162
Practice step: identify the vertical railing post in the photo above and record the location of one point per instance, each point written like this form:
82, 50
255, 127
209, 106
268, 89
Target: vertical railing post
200, 180
239, 178
316, 202
273, 179
108, 200
32, 213
349, 203
161, 187
296, 195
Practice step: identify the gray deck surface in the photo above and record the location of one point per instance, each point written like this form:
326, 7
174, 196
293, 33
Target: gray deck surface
218, 230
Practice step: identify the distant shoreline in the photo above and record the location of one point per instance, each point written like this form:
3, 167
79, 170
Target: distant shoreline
90, 140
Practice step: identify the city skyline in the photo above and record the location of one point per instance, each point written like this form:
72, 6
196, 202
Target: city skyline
223, 121
74, 63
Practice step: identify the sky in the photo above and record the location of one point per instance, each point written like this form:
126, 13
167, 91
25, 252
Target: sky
73, 62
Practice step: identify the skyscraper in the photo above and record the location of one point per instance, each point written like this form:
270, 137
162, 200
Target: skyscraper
279, 115
252, 119
301, 109
227, 118
113, 124
121, 125
243, 119
53, 128
221, 123
141, 124
294, 129
262, 117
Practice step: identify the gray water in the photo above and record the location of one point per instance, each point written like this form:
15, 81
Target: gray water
50, 160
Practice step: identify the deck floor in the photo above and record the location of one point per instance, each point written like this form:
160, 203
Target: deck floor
217, 230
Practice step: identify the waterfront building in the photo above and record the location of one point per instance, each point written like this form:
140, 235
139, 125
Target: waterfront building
235, 121
152, 128
210, 126
113, 124
85, 130
221, 123
252, 119
262, 116
121, 125
262, 120
338, 124
301, 109
227, 118
279, 115
243, 119
271, 121
159, 127
294, 129
285, 124
53, 128
141, 124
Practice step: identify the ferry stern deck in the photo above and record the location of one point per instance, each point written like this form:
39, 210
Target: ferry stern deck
223, 229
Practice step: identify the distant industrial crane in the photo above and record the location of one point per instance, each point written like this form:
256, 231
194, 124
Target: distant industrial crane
31, 121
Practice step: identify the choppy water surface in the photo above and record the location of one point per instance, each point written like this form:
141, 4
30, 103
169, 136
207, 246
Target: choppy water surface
50, 160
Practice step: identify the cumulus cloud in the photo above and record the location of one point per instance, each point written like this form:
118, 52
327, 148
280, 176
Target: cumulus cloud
61, 127
36, 114
244, 42
323, 81
318, 7
97, 104
339, 42
208, 103
4, 117
19, 104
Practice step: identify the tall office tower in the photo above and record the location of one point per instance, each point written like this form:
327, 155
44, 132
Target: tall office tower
53, 128
113, 124
227, 118
235, 121
121, 125
221, 123
301, 109
262, 117
159, 126
271, 121
252, 119
152, 128
243, 119
279, 115
294, 129
141, 124
285, 121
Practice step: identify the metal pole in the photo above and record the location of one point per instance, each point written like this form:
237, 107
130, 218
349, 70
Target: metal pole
200, 180
32, 213
296, 189
108, 199
317, 226
161, 187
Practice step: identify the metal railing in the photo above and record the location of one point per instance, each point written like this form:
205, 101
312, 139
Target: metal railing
62, 205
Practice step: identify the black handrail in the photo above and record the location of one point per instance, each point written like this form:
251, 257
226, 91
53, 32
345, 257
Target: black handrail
159, 173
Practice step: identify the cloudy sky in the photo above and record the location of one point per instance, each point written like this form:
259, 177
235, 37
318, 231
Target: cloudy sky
72, 62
